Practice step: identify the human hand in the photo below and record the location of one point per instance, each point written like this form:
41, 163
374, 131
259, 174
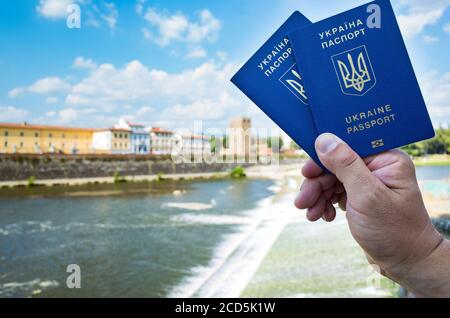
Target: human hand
385, 212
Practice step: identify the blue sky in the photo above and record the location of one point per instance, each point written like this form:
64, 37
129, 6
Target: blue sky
168, 63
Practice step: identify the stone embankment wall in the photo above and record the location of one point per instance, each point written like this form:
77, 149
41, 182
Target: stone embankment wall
15, 167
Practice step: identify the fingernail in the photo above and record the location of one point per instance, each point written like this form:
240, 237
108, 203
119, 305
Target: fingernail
326, 143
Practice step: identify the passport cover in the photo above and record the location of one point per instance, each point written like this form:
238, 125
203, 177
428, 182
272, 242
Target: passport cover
271, 80
360, 80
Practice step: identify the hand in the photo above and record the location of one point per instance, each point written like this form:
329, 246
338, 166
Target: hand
385, 212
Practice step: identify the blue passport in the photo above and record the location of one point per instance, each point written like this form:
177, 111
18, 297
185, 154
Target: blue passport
360, 81
271, 80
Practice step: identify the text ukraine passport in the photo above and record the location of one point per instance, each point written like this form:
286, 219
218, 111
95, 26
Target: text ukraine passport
271, 80
360, 81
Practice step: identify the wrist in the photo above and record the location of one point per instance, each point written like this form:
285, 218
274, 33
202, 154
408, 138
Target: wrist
429, 274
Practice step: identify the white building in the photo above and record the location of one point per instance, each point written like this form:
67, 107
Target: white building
112, 141
162, 141
140, 138
193, 145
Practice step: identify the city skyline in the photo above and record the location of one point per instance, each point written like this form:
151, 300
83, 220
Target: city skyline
169, 64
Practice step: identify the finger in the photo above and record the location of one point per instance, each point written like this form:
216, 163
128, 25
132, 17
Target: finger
329, 193
312, 189
339, 188
349, 168
343, 202
315, 213
311, 170
335, 198
330, 213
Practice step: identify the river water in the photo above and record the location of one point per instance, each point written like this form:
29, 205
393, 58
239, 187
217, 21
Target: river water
160, 239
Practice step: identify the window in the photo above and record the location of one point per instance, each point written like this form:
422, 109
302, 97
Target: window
6, 133
115, 135
36, 135
63, 135
50, 135
21, 134
21, 144
115, 145
6, 144
120, 135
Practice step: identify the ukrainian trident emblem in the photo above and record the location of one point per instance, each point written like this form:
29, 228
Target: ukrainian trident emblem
354, 71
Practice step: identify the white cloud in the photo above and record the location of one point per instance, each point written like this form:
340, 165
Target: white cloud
196, 52
52, 100
94, 13
148, 95
54, 9
49, 85
16, 92
12, 114
417, 15
110, 15
436, 90
204, 92
205, 109
147, 34
140, 6
447, 28
144, 111
178, 28
416, 20
63, 116
45, 85
428, 39
222, 55
67, 115
82, 63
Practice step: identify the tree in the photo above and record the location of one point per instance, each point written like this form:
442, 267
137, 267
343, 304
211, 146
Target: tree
275, 143
438, 145
294, 146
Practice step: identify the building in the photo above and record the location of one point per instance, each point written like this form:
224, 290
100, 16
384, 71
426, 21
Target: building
112, 141
38, 139
193, 145
163, 141
140, 137
240, 138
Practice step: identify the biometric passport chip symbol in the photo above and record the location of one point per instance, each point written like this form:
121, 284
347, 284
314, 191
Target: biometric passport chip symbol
354, 71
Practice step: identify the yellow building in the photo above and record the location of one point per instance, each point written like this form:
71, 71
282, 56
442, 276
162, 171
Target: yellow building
35, 139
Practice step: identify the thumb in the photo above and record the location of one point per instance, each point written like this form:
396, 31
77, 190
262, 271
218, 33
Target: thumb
348, 167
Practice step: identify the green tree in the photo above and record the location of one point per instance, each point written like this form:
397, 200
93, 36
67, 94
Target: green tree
438, 145
294, 145
275, 143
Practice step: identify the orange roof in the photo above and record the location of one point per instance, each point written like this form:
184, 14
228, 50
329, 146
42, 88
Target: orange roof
31, 126
114, 129
160, 130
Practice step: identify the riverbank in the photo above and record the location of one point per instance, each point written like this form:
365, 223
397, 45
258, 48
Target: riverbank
432, 160
255, 172
111, 180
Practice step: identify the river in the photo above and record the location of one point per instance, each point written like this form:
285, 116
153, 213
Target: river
199, 238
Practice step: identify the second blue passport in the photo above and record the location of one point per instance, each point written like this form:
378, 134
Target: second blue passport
271, 80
